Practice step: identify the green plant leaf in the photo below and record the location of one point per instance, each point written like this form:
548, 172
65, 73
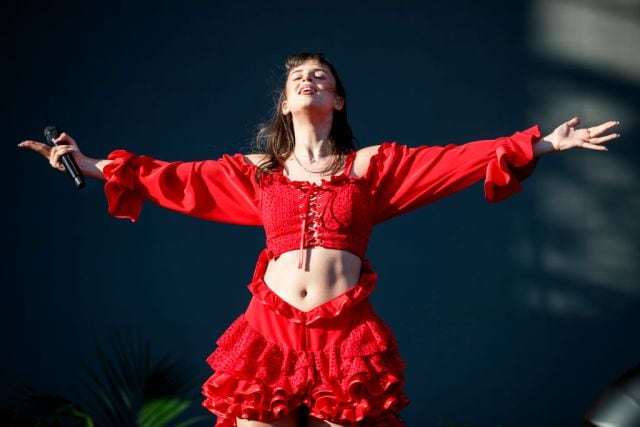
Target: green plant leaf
126, 389
159, 412
44, 408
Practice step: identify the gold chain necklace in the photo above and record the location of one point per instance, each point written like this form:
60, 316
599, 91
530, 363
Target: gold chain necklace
302, 166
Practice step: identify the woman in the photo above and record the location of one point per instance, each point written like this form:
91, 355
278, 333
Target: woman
309, 350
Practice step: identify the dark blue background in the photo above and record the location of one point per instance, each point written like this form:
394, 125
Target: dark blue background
513, 314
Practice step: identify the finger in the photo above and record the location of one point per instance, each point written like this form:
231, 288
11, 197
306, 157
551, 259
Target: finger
573, 122
57, 165
594, 147
65, 139
600, 129
604, 138
57, 153
36, 146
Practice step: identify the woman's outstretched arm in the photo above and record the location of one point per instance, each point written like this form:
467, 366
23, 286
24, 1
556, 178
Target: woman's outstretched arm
222, 190
404, 178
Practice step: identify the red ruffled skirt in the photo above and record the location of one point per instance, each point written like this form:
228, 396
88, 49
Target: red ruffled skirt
339, 359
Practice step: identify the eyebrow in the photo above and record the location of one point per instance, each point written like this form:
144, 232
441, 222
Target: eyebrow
315, 69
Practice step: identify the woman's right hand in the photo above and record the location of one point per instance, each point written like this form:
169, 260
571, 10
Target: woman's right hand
65, 145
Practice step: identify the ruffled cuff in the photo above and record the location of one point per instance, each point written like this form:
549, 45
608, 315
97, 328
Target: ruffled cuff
122, 198
513, 163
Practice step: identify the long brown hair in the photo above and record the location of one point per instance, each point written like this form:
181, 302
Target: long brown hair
275, 138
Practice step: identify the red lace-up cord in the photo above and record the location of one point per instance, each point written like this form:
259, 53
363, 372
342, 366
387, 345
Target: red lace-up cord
305, 215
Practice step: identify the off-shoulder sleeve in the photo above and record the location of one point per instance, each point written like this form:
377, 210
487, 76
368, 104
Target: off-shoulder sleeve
404, 178
223, 190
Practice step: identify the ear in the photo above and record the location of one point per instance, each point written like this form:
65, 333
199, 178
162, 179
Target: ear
285, 107
339, 104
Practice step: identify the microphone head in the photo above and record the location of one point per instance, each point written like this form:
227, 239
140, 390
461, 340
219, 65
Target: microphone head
618, 404
51, 133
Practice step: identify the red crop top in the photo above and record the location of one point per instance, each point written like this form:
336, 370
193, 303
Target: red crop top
340, 212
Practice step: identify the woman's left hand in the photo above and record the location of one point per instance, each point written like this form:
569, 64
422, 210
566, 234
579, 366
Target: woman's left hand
566, 137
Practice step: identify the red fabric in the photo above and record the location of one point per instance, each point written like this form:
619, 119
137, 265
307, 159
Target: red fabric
404, 178
333, 214
218, 190
338, 359
338, 213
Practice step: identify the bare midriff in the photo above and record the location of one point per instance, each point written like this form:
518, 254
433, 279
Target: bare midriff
326, 274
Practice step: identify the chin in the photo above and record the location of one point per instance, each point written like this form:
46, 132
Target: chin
313, 105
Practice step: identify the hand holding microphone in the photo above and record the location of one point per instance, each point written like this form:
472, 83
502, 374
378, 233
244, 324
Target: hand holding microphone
58, 152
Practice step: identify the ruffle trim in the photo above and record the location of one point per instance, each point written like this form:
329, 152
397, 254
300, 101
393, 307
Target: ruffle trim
329, 309
258, 380
251, 401
122, 199
513, 163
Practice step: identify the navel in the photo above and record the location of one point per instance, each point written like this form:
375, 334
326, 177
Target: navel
303, 293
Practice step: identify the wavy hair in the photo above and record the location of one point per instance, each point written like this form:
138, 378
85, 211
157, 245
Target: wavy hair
276, 139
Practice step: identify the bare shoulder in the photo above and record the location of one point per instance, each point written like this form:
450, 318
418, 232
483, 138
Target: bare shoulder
363, 158
255, 158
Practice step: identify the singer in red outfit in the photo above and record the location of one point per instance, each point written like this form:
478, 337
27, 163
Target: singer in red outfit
310, 350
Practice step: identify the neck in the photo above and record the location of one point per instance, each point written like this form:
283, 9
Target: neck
312, 135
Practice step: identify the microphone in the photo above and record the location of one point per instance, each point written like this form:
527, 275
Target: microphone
619, 404
51, 133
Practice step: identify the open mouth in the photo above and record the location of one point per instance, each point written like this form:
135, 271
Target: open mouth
308, 90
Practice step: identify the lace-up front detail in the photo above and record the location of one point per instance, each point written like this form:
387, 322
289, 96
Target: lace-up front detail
310, 225
301, 214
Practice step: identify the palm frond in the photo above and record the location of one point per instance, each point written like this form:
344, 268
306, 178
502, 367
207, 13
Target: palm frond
160, 412
131, 391
125, 389
32, 406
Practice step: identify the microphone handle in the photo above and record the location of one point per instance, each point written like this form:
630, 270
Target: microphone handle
51, 133
74, 171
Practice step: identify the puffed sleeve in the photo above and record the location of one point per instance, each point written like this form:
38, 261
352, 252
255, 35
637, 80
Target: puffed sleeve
404, 178
223, 190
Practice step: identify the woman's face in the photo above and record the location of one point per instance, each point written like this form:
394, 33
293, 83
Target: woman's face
311, 86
